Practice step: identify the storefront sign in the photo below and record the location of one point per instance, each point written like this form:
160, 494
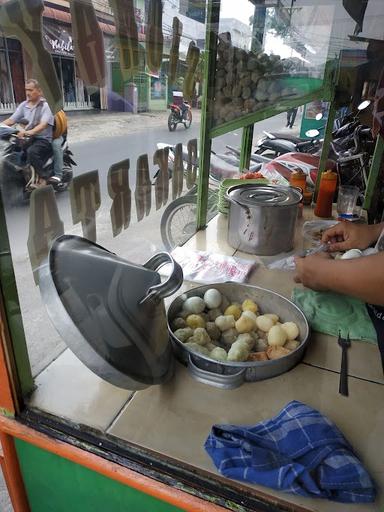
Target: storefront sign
58, 40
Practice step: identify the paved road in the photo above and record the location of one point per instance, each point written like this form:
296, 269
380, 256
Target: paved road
138, 241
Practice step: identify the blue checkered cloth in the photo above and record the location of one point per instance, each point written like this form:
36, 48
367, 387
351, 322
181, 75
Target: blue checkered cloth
298, 451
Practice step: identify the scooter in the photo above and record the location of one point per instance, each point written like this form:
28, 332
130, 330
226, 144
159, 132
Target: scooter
179, 114
17, 177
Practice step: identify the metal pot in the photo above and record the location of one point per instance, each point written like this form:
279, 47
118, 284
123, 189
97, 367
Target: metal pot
262, 218
230, 375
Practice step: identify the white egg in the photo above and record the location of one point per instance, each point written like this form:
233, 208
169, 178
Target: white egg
212, 298
351, 254
194, 305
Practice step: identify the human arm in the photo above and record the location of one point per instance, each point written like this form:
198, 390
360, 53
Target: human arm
349, 235
8, 122
362, 278
36, 130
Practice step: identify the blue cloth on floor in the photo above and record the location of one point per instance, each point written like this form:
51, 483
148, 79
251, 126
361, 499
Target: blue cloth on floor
298, 451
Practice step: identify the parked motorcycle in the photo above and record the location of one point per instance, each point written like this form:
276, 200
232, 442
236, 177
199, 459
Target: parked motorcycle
17, 177
179, 114
276, 144
350, 154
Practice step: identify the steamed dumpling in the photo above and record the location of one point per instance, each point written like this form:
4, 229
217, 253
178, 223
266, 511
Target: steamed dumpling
239, 351
219, 354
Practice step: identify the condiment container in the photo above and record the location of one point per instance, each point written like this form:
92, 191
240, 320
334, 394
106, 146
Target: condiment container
298, 179
328, 182
307, 197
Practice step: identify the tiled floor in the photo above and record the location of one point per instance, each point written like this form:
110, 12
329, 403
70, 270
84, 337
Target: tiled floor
67, 389
185, 411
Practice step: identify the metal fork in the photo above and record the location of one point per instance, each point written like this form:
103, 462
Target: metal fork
344, 343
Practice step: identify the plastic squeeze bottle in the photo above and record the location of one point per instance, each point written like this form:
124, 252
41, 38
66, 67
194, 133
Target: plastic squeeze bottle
328, 182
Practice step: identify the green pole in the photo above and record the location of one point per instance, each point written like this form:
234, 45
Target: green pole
246, 147
374, 172
213, 15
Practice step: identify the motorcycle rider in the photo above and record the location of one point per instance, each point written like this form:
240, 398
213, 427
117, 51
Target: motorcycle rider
40, 119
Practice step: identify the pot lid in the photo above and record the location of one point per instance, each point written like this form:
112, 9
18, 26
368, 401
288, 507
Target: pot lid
264, 195
109, 311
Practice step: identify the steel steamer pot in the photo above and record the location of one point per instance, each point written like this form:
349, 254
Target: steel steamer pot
230, 375
111, 314
262, 218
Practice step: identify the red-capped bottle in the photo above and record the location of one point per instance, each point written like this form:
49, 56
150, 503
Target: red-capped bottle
328, 183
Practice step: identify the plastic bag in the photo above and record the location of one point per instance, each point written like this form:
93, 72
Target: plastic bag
207, 267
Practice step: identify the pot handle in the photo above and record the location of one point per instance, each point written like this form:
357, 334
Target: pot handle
216, 379
171, 285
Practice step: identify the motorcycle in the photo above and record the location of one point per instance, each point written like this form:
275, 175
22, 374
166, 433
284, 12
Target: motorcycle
179, 114
17, 178
350, 153
277, 144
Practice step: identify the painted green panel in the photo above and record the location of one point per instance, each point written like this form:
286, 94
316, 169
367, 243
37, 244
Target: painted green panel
54, 484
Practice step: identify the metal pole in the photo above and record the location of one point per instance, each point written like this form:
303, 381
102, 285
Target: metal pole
374, 172
213, 15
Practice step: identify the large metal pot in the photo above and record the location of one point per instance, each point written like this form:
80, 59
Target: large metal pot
229, 375
262, 218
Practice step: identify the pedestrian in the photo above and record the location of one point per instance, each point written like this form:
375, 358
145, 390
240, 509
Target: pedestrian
291, 116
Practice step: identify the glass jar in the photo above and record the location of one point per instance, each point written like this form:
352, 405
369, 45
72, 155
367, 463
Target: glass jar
328, 182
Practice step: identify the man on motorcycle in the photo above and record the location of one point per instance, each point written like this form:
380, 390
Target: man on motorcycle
36, 111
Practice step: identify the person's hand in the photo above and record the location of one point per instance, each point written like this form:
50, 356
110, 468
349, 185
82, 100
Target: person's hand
309, 271
21, 134
348, 235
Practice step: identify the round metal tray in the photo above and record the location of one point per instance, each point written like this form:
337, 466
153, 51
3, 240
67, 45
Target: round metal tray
229, 375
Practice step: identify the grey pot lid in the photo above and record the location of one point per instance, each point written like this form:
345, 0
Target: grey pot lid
109, 311
264, 195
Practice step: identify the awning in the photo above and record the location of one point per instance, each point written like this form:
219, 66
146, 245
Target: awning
65, 17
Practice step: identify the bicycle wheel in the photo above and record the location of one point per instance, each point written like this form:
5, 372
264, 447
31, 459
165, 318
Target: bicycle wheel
178, 222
